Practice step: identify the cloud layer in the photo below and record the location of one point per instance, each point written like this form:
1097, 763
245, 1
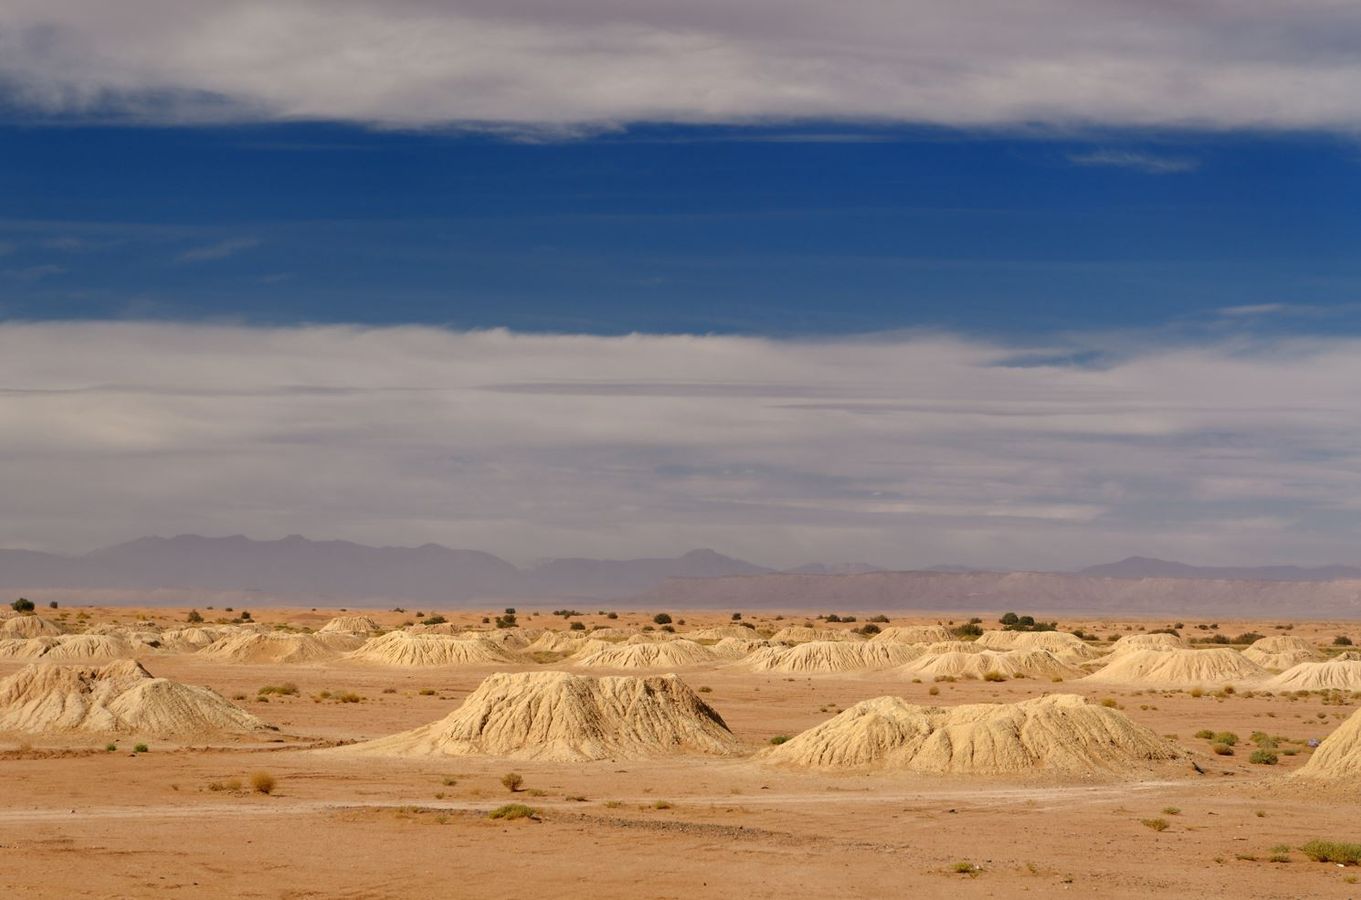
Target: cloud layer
1198, 63
902, 450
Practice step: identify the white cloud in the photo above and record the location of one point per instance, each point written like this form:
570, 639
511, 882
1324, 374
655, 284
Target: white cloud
220, 250
904, 450
1142, 162
1197, 63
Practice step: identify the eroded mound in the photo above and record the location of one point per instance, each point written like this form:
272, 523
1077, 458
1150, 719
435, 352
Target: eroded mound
193, 638
913, 634
404, 649
661, 655
824, 657
797, 634
349, 625
1132, 643
1179, 668
981, 664
280, 647
1335, 674
721, 632
562, 717
1282, 651
29, 627
1068, 647
1338, 758
1062, 734
120, 698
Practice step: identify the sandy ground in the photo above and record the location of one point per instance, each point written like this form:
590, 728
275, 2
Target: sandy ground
76, 820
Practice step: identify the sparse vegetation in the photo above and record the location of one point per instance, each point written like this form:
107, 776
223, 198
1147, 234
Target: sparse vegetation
513, 811
779, 739
1333, 852
22, 605
141, 748
263, 783
512, 781
1158, 824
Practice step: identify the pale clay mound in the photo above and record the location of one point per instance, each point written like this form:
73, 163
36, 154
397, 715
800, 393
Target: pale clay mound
665, 655
720, 632
1280, 652
558, 642
402, 649
1059, 734
829, 657
796, 634
193, 638
120, 698
1179, 668
736, 648
1068, 647
80, 647
1132, 643
1336, 674
1338, 758
29, 627
913, 634
281, 647
26, 648
1009, 663
350, 625
556, 716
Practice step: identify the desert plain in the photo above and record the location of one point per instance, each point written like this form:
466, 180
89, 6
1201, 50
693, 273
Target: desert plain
1182, 783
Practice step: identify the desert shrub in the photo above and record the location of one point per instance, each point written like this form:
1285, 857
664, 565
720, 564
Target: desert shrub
427, 692
933, 691
448, 781
1342, 641
1247, 637
1333, 852
1225, 737
1109, 702
512, 781
779, 739
22, 605
1155, 824
1205, 734
434, 620
1222, 749
262, 783
964, 632
1171, 810
577, 626
513, 811
141, 748
662, 619
1264, 757
287, 689
869, 628
194, 617
110, 747
964, 867
661, 804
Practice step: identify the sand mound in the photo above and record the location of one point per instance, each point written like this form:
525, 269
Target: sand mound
280, 647
954, 647
718, 633
824, 657
29, 627
120, 698
558, 716
78, 647
1061, 733
407, 650
736, 648
1335, 674
349, 625
665, 655
1068, 647
797, 634
509, 638
1338, 757
195, 637
1132, 643
1173, 668
1281, 652
31, 648
1011, 663
558, 642
913, 634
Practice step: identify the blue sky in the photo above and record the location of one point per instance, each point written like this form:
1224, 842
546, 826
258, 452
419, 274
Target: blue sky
796, 229
1003, 284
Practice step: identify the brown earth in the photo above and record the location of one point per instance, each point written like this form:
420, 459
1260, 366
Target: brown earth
76, 820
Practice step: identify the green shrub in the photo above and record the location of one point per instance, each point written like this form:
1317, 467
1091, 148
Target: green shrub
512, 781
513, 811
141, 748
1222, 749
1155, 824
1264, 757
1333, 851
1226, 737
1205, 734
779, 739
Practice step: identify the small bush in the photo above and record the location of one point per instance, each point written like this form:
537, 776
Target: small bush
263, 783
661, 804
141, 748
964, 867
1205, 734
661, 619
22, 605
1342, 641
513, 811
1222, 749
1171, 810
1264, 757
287, 689
110, 747
994, 676
512, 781
427, 692
779, 739
1155, 824
1226, 737
1333, 851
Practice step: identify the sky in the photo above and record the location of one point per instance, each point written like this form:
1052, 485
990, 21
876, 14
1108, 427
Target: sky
1024, 285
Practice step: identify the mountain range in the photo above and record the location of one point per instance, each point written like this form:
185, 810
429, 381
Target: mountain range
295, 570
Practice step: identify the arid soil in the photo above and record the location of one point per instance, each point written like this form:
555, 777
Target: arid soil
181, 819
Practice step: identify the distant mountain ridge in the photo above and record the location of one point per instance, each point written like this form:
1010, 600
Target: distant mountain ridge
296, 565
1148, 567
